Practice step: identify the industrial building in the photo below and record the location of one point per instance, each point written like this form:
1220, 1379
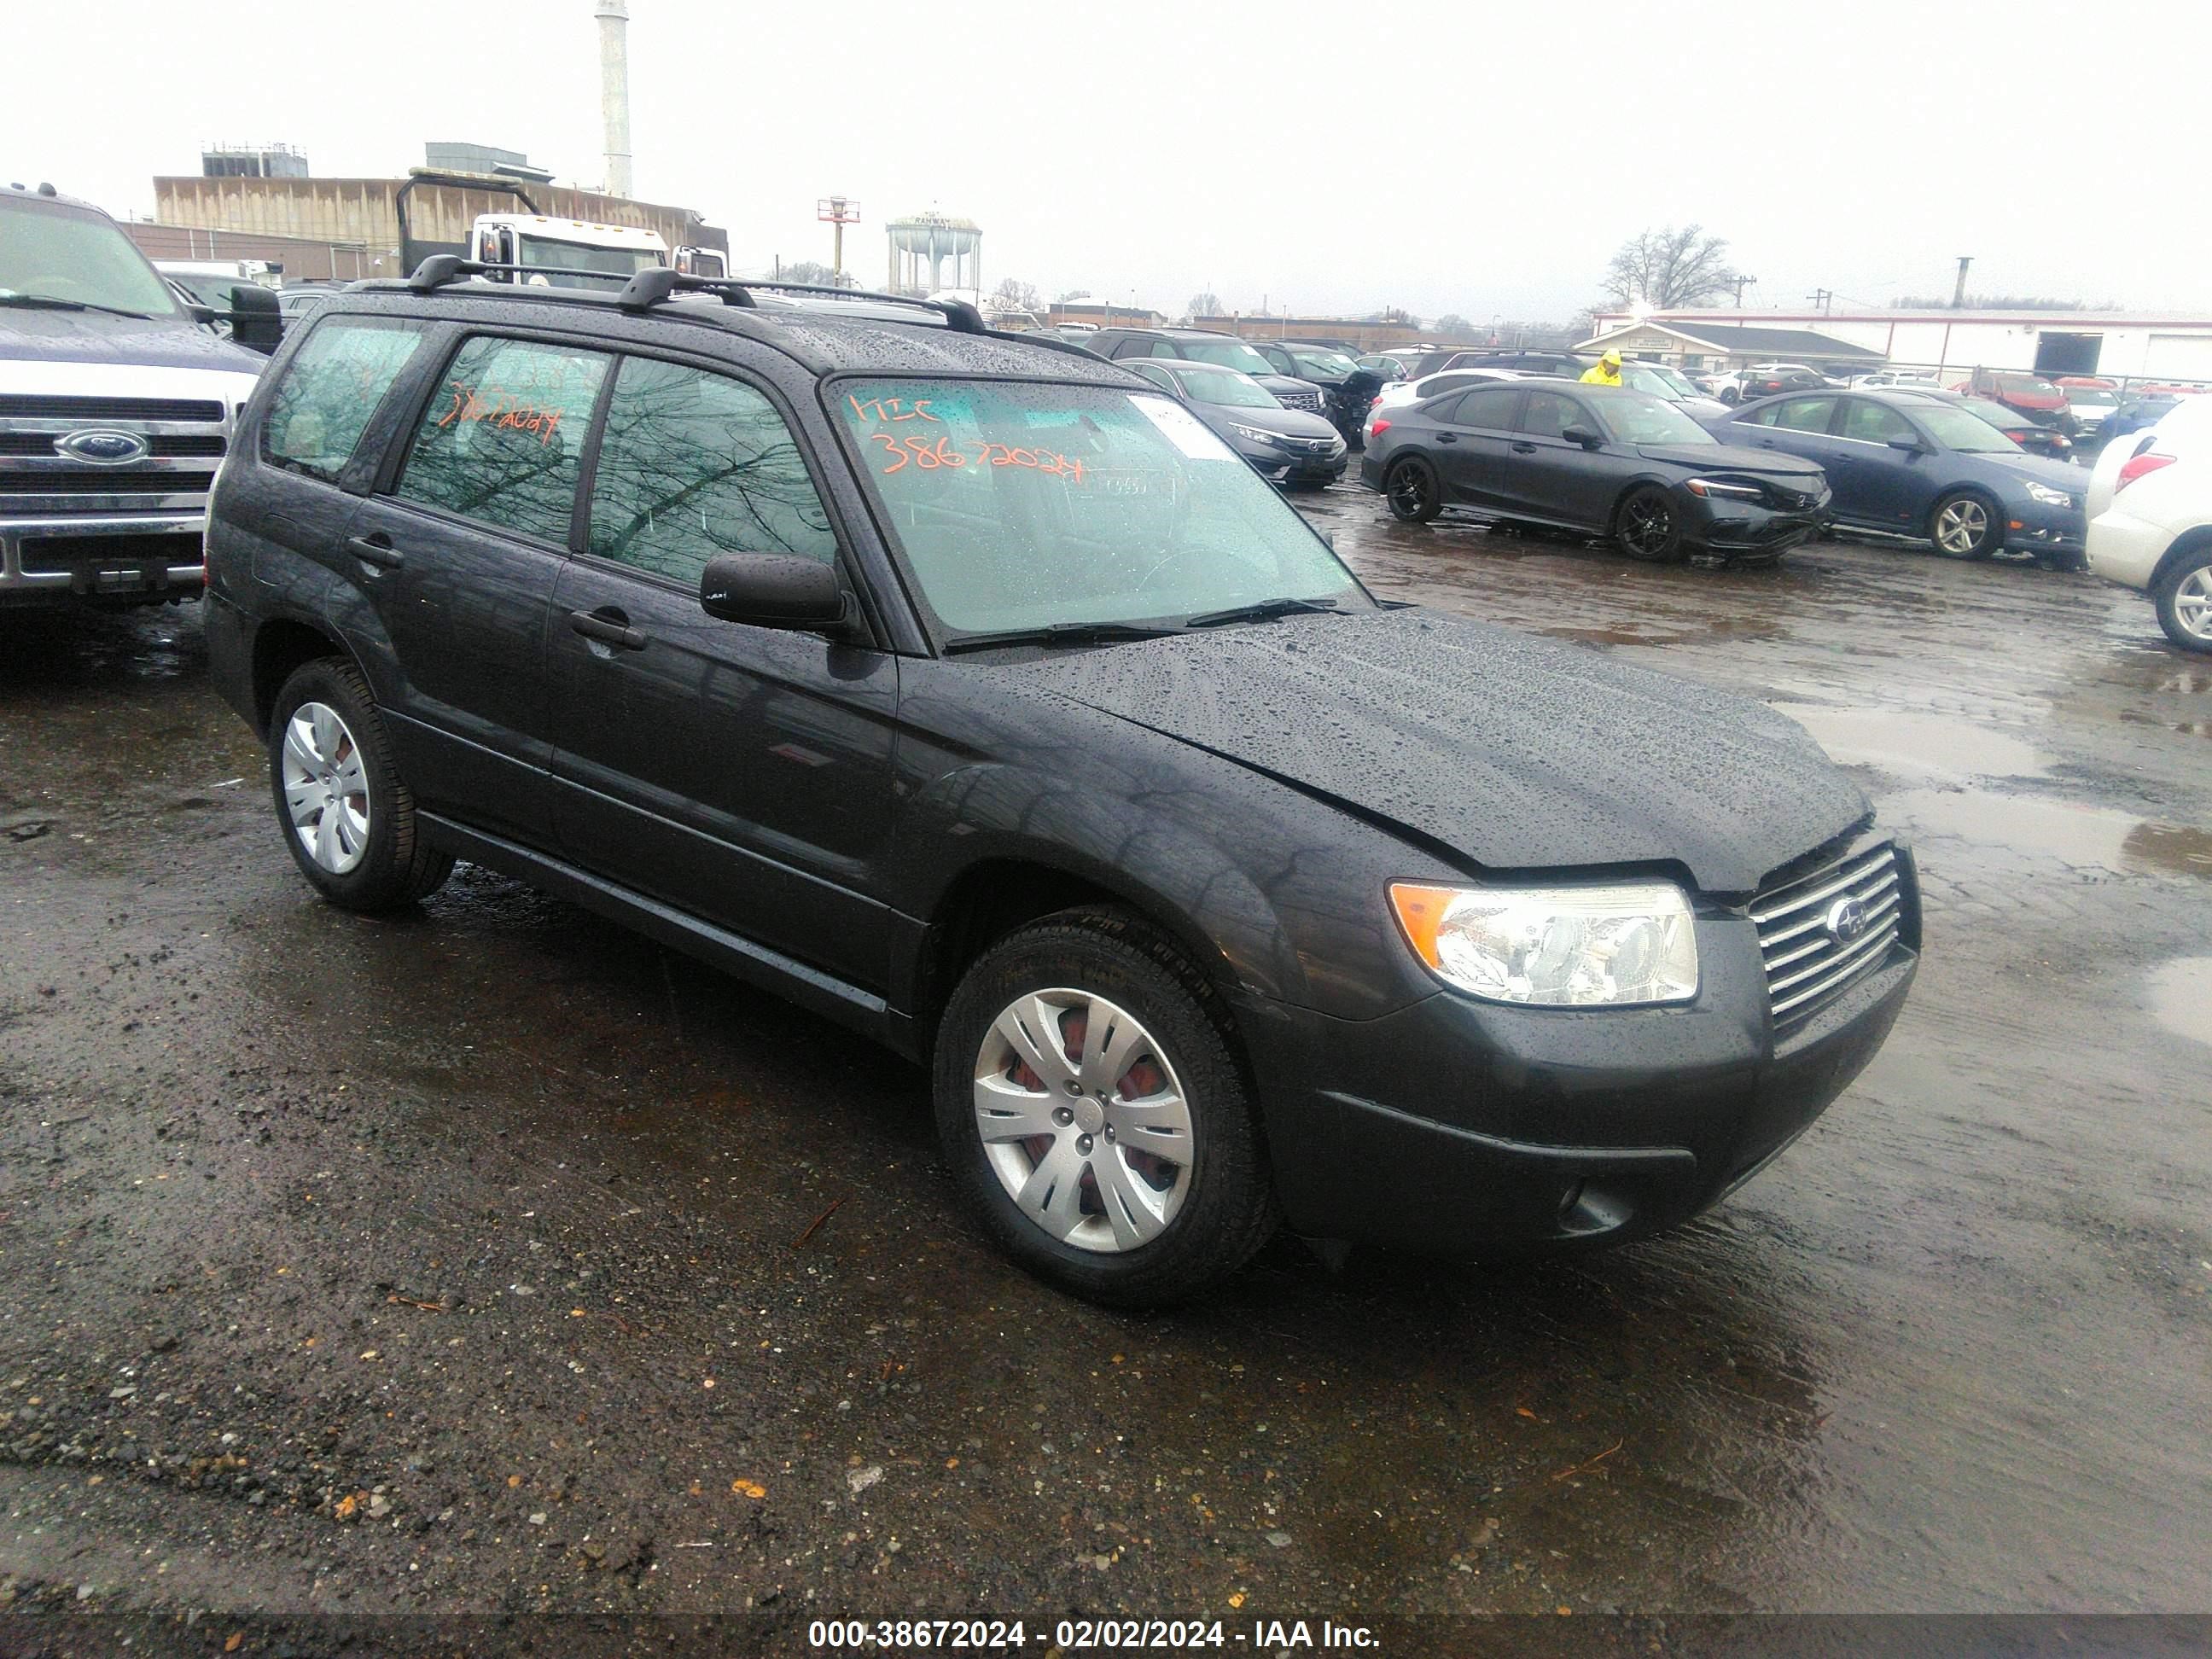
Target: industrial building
351, 228
2121, 345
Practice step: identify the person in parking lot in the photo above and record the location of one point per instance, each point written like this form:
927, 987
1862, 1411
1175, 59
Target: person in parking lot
1608, 371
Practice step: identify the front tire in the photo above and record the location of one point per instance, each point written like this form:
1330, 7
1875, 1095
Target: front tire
1092, 1116
1648, 525
1415, 495
346, 816
1965, 525
2183, 599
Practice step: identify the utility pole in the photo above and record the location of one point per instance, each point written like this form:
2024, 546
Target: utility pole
1959, 294
1821, 296
837, 212
1741, 283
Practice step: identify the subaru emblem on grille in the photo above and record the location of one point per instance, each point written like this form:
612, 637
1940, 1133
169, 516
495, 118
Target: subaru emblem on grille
104, 447
1846, 921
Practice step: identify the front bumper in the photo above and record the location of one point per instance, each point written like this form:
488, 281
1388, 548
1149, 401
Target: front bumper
2032, 528
1325, 467
1722, 526
145, 558
1459, 1127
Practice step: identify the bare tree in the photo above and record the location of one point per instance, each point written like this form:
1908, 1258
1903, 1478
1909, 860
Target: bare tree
1205, 304
1453, 326
1668, 268
1013, 294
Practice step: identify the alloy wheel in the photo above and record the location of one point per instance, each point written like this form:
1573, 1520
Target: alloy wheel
2192, 604
1084, 1119
1647, 525
1961, 526
325, 788
1409, 490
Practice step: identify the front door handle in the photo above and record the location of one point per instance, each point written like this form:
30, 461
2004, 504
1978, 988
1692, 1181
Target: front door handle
1447, 437
1768, 443
376, 550
609, 627
1524, 449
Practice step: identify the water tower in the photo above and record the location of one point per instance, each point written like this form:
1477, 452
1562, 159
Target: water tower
922, 246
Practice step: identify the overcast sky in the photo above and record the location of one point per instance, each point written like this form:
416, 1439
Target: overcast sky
1472, 157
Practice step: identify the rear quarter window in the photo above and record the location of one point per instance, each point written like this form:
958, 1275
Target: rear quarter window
331, 388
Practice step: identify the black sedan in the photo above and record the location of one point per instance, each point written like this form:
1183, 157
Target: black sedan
1284, 446
1602, 460
1913, 464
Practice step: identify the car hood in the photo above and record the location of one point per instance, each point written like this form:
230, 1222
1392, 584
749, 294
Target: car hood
1728, 458
1287, 422
94, 337
1518, 753
1281, 384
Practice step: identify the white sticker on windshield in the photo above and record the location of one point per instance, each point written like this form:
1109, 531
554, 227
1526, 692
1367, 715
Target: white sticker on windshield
1183, 429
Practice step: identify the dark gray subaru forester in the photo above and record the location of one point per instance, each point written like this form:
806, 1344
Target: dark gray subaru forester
969, 691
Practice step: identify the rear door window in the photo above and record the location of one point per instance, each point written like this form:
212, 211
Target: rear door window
1806, 415
692, 464
502, 438
1490, 409
331, 388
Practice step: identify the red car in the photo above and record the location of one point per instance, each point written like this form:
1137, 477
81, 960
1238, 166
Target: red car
2023, 393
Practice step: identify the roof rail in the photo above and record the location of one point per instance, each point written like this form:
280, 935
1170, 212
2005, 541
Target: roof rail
655, 283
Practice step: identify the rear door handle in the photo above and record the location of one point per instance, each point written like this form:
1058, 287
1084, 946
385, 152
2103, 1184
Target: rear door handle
1524, 449
609, 627
376, 550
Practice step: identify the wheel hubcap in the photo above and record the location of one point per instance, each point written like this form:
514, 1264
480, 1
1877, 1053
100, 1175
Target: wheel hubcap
1084, 1119
1649, 524
2192, 604
325, 788
1961, 528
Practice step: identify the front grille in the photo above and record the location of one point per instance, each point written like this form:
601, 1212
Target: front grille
1807, 937
112, 409
46, 554
103, 481
1308, 401
40, 445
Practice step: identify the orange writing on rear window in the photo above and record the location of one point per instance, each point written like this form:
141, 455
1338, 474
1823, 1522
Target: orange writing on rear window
502, 409
891, 409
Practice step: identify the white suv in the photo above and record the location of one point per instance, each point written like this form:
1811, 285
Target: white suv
2150, 519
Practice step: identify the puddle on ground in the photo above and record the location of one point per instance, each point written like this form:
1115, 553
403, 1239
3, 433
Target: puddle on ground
2073, 835
1913, 745
2181, 998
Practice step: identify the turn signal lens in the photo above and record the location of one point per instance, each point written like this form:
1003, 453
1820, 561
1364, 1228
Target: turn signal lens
2140, 467
1616, 945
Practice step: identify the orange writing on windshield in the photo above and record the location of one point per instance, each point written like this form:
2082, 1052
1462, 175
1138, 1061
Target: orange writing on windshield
502, 409
916, 449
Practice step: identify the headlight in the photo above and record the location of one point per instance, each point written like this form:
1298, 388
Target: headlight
1251, 433
1722, 487
1616, 946
2048, 496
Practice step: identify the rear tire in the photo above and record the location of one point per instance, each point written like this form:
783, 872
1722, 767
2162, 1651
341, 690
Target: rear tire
347, 817
1054, 1158
1648, 525
1415, 495
1966, 526
2183, 599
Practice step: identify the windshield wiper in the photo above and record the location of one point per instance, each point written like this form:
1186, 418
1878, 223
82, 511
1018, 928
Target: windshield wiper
1065, 633
55, 302
1258, 610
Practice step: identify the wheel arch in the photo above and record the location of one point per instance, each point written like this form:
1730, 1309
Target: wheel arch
282, 645
2185, 546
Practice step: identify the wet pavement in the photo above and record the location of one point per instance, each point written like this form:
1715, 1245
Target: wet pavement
495, 1259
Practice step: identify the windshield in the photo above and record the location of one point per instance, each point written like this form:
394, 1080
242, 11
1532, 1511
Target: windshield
1229, 353
214, 291
1636, 417
1955, 427
1229, 390
2094, 396
1658, 382
1021, 505
1327, 365
616, 262
72, 254
2023, 385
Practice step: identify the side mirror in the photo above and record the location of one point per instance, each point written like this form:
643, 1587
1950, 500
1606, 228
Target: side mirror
257, 321
1909, 446
1583, 436
773, 590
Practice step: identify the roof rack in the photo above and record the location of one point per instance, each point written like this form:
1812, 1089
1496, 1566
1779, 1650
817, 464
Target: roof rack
655, 283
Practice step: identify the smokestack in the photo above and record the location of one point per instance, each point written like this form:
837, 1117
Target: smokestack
614, 90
